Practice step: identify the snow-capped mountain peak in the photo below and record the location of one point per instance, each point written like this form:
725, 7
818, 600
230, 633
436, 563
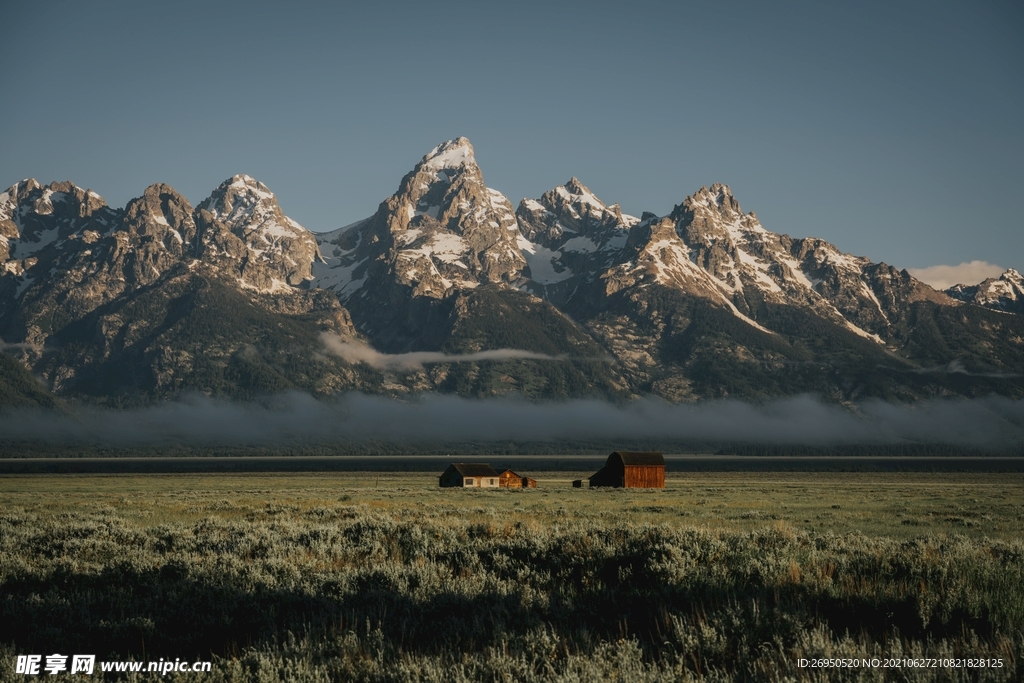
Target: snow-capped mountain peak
242, 221
1004, 293
33, 217
450, 154
243, 200
568, 235
442, 232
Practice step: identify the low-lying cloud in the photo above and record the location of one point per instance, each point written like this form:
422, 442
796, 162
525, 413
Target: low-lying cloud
992, 421
944, 277
957, 367
20, 346
354, 352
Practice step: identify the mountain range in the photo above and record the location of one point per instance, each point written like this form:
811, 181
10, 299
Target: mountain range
448, 287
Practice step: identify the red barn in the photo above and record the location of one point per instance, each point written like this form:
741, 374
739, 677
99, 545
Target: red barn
632, 470
510, 480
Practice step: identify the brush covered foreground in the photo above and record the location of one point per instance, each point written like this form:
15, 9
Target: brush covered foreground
369, 577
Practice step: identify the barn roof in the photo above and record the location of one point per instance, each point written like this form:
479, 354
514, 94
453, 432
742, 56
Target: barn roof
640, 457
474, 469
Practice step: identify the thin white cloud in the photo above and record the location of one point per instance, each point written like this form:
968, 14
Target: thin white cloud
957, 367
944, 277
19, 346
354, 352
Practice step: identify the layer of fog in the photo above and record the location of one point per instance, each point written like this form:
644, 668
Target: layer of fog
991, 421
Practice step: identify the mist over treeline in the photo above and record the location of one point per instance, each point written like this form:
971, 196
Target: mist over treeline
276, 456
357, 424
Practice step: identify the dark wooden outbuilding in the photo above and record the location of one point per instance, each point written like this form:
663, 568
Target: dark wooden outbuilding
632, 470
469, 475
510, 480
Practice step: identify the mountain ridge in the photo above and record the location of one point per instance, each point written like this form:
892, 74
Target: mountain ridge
703, 302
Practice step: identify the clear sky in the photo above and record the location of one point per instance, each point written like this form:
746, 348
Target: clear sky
893, 129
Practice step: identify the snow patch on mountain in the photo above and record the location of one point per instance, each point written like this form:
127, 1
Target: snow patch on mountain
543, 263
24, 248
341, 269
339, 276
444, 247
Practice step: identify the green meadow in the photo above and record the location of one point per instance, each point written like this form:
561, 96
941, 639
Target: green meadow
386, 577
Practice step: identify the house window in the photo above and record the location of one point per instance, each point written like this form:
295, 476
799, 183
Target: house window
491, 482
469, 481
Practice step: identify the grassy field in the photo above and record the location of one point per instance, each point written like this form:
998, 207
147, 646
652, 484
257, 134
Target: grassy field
359, 576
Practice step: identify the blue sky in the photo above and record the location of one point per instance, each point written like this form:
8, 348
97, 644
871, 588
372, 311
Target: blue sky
893, 130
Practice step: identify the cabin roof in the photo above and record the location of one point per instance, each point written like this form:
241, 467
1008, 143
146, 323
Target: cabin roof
474, 469
648, 458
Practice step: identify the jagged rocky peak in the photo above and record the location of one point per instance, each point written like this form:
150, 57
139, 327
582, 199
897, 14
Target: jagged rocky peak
241, 199
27, 208
28, 196
748, 263
242, 224
712, 214
33, 217
572, 213
1003, 293
158, 233
245, 205
438, 189
732, 246
164, 216
447, 187
479, 221
654, 254
568, 236
442, 232
718, 197
75, 254
575, 197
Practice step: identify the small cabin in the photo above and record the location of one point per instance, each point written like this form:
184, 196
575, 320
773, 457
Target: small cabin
632, 470
510, 480
469, 475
